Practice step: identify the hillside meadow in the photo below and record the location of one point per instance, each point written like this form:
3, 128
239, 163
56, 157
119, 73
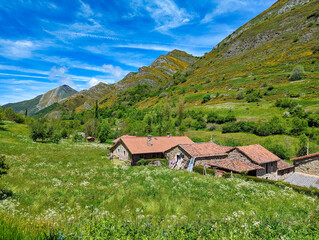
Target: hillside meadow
72, 190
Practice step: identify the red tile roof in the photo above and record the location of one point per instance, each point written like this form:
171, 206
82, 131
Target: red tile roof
282, 165
305, 157
138, 145
124, 136
258, 154
208, 149
236, 165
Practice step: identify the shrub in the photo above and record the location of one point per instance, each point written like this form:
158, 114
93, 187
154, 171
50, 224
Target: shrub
145, 162
197, 139
253, 95
200, 169
241, 126
3, 166
55, 137
240, 95
302, 150
64, 133
285, 103
4, 193
297, 73
206, 98
104, 133
77, 138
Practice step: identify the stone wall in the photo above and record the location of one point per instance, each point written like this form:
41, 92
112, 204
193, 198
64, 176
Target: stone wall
235, 154
309, 165
171, 156
282, 175
121, 152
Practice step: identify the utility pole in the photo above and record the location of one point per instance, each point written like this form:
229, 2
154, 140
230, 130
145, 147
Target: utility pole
307, 146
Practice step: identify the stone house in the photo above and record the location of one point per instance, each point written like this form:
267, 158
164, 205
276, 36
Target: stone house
179, 156
253, 159
136, 148
308, 164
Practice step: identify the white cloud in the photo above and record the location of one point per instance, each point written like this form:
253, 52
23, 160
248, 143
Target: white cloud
57, 72
24, 70
165, 13
117, 72
229, 6
16, 49
86, 10
93, 81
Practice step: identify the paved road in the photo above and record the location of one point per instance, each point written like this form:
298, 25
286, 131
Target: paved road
303, 180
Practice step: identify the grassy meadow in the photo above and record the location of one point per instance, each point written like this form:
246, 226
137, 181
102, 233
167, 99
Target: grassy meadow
72, 190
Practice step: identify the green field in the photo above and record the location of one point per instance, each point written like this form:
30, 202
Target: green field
73, 188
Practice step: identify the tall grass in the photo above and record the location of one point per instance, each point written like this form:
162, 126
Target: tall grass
75, 190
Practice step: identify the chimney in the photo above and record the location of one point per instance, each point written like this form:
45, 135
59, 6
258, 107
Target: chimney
168, 134
149, 140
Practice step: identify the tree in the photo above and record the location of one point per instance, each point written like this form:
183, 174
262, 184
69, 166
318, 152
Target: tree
3, 166
297, 73
26, 112
104, 132
302, 150
37, 130
55, 137
9, 114
91, 127
96, 110
180, 107
64, 133
206, 98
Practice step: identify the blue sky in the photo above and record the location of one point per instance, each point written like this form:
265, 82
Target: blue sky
44, 44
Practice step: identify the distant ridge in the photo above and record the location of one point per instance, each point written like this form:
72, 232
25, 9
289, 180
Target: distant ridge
42, 101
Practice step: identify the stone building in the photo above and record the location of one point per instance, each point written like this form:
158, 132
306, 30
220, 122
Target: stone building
253, 159
308, 164
136, 148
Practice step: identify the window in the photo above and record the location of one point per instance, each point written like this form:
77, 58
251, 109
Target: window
268, 168
124, 152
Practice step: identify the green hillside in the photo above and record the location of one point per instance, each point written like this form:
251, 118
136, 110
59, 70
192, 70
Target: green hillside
42, 101
73, 190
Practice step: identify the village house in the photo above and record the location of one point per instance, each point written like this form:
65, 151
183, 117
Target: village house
136, 148
90, 139
253, 159
308, 164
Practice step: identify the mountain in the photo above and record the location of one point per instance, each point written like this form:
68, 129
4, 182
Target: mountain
158, 73
42, 101
260, 55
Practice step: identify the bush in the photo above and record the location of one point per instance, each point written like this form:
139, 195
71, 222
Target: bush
197, 139
104, 133
55, 137
240, 95
4, 193
200, 169
240, 126
253, 95
145, 162
64, 133
285, 103
77, 138
304, 190
3, 166
206, 98
297, 73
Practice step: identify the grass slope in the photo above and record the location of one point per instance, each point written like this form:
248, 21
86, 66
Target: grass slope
74, 189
